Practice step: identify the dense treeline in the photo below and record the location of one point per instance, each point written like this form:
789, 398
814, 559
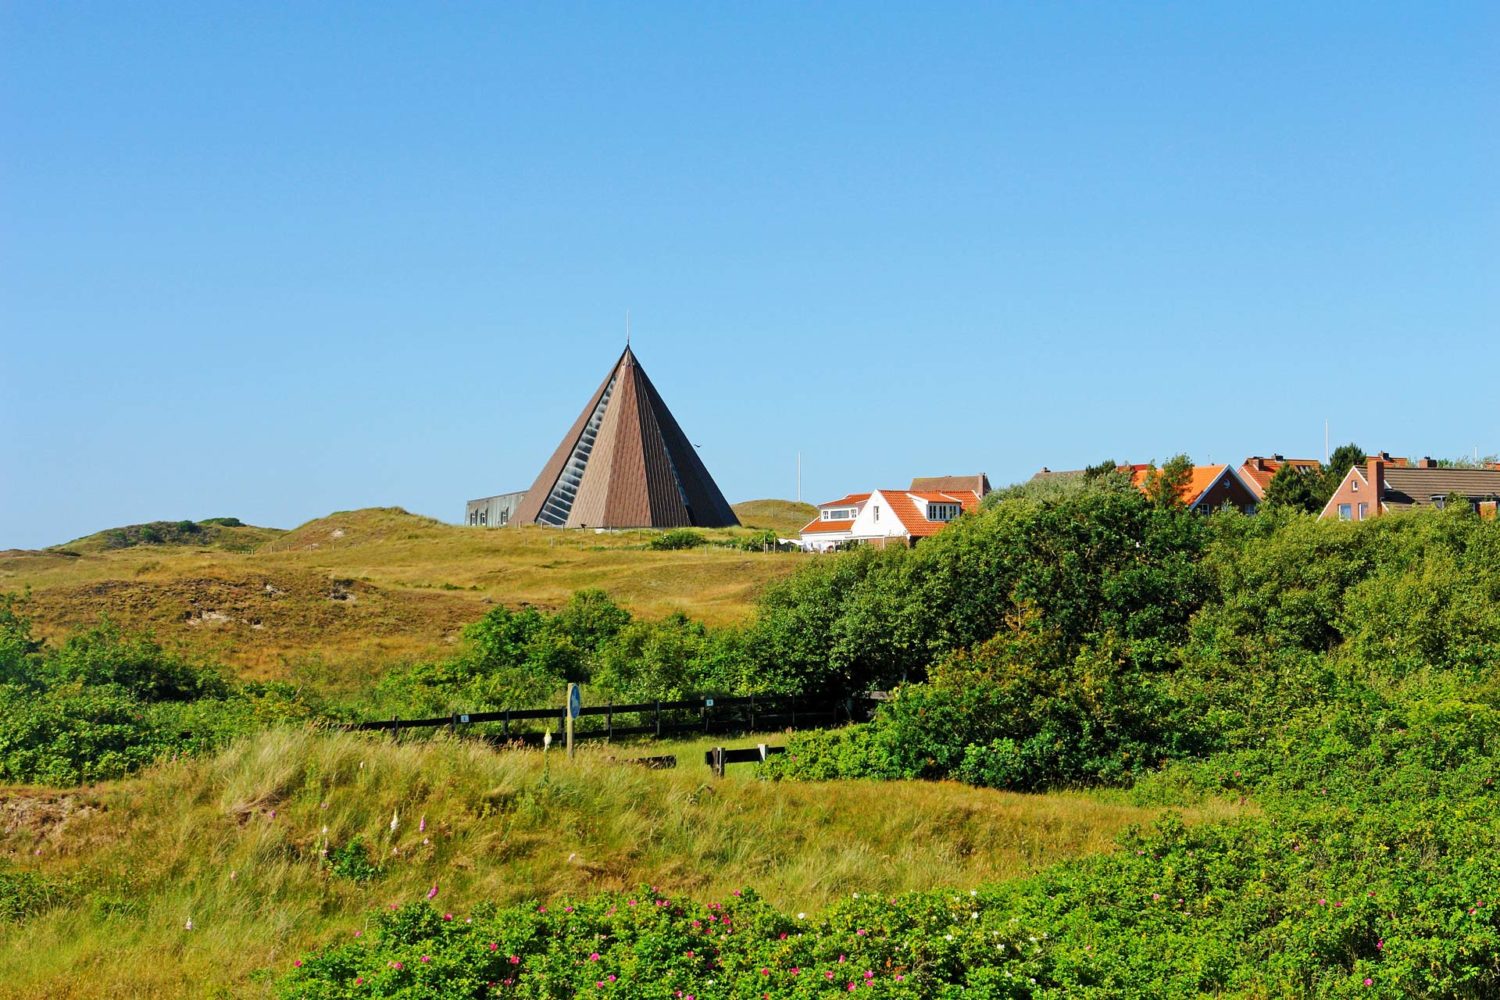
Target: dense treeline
1343, 676
1070, 632
1088, 635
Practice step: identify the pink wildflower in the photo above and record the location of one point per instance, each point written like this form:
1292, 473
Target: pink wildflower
432, 893
515, 960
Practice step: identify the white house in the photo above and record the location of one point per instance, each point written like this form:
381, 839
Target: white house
882, 517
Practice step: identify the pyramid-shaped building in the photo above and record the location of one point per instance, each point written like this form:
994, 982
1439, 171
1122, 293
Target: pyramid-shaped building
625, 464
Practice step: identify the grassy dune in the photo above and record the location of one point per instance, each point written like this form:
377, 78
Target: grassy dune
233, 843
358, 590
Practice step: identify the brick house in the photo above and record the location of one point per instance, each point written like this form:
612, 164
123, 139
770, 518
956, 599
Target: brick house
1381, 488
1208, 488
1257, 471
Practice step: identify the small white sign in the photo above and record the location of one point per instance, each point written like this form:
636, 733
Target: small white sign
463, 718
708, 703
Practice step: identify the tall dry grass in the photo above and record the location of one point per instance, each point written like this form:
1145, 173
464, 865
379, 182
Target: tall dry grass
233, 844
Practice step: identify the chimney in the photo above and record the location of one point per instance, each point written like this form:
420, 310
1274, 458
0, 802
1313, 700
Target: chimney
1426, 463
1279, 458
1375, 476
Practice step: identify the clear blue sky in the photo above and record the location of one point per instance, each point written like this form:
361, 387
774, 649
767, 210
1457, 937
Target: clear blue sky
274, 260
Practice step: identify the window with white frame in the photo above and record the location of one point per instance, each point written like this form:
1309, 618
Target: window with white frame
838, 513
943, 511
1346, 512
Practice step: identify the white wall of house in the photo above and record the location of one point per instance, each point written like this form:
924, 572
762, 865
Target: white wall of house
876, 519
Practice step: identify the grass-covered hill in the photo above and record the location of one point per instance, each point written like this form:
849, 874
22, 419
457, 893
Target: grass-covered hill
235, 843
785, 517
225, 533
360, 589
1338, 683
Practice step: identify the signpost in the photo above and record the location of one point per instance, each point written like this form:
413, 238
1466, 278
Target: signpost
575, 706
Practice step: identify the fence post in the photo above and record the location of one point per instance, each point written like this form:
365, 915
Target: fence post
752, 713
507, 725
718, 764
658, 718
609, 720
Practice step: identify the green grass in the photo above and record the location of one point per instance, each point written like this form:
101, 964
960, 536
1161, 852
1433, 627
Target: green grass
233, 843
785, 517
356, 591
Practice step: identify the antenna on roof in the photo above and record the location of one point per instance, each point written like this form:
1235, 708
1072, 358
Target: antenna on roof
627, 327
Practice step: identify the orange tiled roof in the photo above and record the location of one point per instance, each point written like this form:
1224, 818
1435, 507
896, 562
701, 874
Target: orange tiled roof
967, 499
1257, 471
818, 524
903, 504
853, 498
1201, 479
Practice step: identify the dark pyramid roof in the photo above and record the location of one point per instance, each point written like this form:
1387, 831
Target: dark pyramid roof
625, 464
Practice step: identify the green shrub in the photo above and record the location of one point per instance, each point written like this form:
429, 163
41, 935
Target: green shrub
677, 538
24, 894
352, 861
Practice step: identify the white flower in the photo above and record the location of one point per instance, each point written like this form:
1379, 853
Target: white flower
189, 925
974, 915
395, 821
947, 937
801, 916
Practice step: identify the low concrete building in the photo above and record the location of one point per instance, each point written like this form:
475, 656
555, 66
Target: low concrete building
492, 512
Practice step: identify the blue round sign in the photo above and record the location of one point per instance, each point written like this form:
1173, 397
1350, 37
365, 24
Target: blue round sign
575, 701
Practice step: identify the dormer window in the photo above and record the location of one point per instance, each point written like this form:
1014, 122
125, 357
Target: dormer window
839, 513
943, 511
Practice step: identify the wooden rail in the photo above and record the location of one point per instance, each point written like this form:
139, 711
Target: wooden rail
650, 718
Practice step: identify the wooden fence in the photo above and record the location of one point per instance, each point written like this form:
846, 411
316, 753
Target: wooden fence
650, 718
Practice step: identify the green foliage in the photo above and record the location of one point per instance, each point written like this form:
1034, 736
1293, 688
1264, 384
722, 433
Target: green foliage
102, 705
760, 541
153, 533
677, 538
1297, 489
17, 647
352, 861
24, 894
1163, 485
1344, 458
137, 664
